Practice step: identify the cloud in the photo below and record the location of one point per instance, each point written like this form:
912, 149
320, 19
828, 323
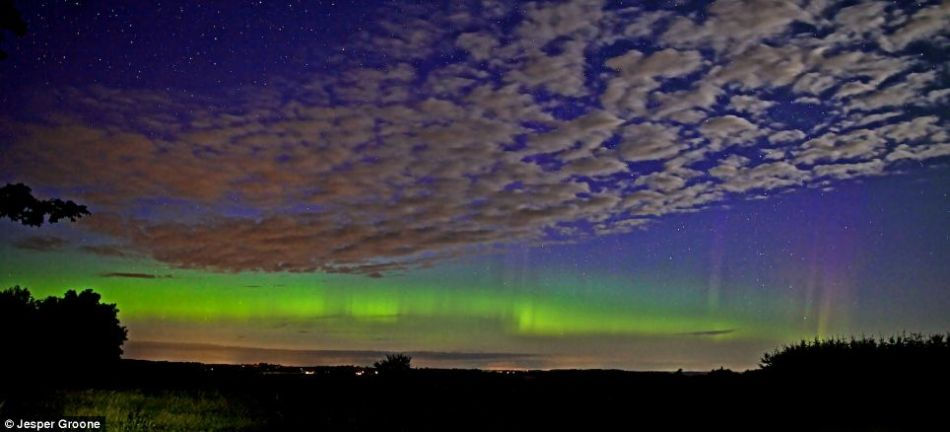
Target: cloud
750, 105
593, 128
471, 134
107, 250
562, 74
735, 25
710, 332
667, 63
728, 130
546, 22
479, 45
133, 275
830, 147
592, 166
927, 22
41, 243
649, 141
786, 136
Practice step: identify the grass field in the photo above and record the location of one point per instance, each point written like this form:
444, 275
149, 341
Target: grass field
834, 385
141, 411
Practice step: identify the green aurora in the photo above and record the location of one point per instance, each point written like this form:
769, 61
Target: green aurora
422, 310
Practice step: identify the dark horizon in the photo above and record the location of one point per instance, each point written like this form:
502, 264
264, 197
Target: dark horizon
211, 354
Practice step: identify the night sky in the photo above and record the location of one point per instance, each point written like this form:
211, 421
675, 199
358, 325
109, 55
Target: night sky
636, 185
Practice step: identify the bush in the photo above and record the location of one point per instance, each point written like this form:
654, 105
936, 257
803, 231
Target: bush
74, 332
394, 364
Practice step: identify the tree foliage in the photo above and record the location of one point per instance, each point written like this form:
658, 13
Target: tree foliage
861, 357
10, 19
73, 332
394, 364
18, 203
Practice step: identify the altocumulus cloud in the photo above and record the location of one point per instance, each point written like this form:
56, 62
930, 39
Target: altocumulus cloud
578, 120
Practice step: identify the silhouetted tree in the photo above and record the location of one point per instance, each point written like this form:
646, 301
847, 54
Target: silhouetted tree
18, 328
861, 358
10, 19
394, 364
65, 335
18, 204
82, 326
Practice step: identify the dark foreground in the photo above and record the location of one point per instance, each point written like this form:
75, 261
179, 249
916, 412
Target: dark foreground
158, 396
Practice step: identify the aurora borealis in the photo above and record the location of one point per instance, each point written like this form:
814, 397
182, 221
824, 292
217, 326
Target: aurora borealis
636, 185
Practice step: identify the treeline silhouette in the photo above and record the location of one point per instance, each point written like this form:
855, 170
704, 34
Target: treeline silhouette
57, 337
865, 357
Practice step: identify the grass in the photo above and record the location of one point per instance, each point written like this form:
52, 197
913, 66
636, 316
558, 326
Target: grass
138, 411
825, 384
